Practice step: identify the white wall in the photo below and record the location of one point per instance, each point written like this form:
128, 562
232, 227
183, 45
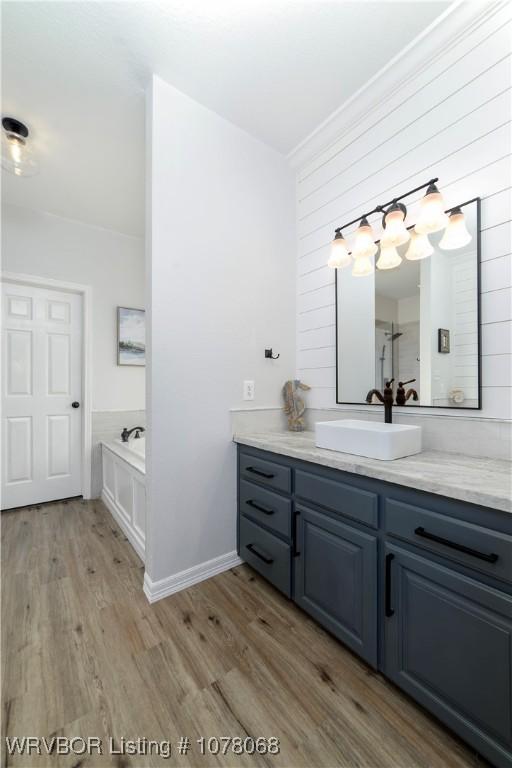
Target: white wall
37, 243
221, 287
443, 110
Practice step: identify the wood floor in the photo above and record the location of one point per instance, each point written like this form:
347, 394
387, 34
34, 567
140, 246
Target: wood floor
84, 654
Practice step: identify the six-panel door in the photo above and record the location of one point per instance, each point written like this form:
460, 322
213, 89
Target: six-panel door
336, 579
41, 378
448, 642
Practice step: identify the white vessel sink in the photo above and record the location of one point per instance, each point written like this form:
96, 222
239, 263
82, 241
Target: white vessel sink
373, 439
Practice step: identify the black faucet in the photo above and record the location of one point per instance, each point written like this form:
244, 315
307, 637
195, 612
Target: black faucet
402, 396
386, 398
125, 434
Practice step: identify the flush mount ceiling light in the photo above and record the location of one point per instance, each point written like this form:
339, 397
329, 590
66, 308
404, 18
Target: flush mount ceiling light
395, 231
17, 156
364, 245
432, 216
389, 258
340, 257
419, 248
456, 234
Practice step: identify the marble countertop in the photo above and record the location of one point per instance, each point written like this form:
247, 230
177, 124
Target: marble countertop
487, 482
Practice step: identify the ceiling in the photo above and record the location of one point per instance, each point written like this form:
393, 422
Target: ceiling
76, 73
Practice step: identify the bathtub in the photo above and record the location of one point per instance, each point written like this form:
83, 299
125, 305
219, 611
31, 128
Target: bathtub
124, 488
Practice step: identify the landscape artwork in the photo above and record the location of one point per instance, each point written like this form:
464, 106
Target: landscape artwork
131, 336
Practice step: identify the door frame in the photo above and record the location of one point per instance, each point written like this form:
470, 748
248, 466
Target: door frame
85, 291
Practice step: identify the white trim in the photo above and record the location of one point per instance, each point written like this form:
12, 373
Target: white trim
156, 590
456, 20
128, 531
86, 292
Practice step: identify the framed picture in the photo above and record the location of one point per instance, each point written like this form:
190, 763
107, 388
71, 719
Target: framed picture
443, 340
131, 336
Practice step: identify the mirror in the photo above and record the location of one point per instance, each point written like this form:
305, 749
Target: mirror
420, 320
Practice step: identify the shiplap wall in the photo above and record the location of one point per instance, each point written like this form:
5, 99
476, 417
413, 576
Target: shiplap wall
447, 113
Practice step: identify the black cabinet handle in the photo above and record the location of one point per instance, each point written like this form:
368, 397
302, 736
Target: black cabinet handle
388, 609
491, 558
267, 560
296, 552
266, 475
259, 507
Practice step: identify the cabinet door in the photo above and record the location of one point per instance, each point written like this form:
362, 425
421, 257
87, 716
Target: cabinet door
336, 579
448, 642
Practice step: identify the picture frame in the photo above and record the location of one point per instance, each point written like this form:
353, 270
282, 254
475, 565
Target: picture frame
131, 336
443, 340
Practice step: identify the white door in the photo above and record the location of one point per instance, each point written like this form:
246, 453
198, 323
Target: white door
41, 395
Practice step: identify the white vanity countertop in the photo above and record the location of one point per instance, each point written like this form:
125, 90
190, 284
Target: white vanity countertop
487, 482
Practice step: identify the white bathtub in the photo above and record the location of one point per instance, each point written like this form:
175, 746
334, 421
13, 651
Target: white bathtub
124, 488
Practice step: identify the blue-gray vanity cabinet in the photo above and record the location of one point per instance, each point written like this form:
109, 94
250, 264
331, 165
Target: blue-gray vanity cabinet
336, 579
448, 643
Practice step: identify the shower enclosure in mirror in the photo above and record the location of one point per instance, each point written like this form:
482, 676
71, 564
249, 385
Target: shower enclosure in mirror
419, 321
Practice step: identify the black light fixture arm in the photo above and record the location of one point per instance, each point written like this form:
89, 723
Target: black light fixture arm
382, 208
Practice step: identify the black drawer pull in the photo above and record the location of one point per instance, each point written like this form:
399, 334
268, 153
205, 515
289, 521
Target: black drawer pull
266, 475
259, 507
492, 558
388, 610
267, 560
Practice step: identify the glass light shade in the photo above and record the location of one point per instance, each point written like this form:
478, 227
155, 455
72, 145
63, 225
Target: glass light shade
17, 156
432, 217
395, 231
340, 257
456, 234
420, 247
365, 242
389, 258
363, 266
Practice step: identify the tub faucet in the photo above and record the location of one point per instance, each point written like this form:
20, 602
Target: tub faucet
125, 434
386, 398
402, 396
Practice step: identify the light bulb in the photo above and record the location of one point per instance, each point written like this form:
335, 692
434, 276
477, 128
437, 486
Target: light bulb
456, 234
432, 216
363, 266
389, 258
395, 231
419, 247
365, 241
340, 257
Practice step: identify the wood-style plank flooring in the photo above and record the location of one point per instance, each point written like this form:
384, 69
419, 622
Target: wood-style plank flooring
84, 654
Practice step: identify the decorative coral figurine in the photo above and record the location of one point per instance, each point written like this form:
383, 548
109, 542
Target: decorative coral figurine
294, 405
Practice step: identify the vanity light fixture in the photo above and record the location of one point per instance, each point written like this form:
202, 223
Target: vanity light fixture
395, 232
419, 248
363, 266
340, 257
456, 234
17, 156
364, 245
432, 217
389, 257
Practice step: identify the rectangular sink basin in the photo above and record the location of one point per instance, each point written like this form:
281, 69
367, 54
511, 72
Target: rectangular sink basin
368, 438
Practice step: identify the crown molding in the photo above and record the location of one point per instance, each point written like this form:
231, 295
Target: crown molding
458, 20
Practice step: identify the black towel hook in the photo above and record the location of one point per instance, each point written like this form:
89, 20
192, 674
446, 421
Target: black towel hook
268, 354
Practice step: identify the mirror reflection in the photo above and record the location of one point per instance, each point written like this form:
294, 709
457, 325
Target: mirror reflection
417, 323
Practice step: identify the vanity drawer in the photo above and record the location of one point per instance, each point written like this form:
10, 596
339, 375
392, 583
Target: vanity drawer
266, 507
472, 545
266, 472
341, 498
266, 554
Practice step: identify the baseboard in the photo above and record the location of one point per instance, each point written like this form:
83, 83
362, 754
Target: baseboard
156, 590
132, 538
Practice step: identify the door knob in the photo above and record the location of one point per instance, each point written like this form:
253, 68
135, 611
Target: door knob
75, 404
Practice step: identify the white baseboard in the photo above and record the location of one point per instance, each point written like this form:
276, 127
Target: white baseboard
156, 590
